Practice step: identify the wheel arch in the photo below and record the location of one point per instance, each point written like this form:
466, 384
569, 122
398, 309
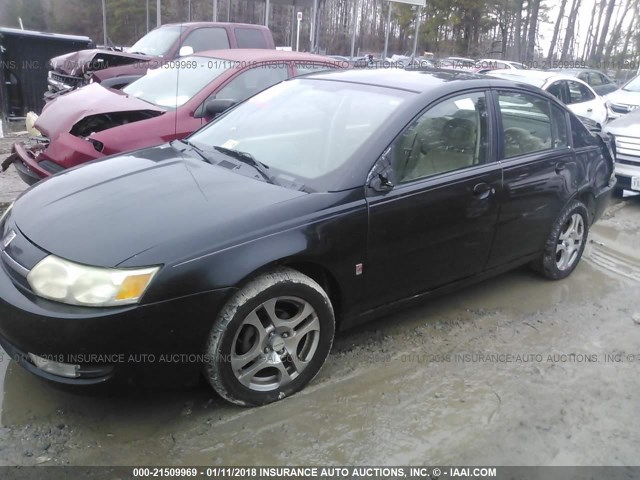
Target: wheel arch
316, 271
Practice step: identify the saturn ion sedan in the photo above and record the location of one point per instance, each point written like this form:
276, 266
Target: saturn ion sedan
319, 203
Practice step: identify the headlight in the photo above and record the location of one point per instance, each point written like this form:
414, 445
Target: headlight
67, 282
4, 215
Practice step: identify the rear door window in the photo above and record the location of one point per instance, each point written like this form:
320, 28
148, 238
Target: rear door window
578, 93
526, 123
211, 38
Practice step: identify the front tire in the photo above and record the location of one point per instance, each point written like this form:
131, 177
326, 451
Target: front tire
566, 242
270, 339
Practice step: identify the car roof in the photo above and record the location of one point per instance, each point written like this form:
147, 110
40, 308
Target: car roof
414, 80
262, 55
545, 75
211, 24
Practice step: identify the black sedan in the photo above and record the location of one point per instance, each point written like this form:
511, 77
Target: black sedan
315, 205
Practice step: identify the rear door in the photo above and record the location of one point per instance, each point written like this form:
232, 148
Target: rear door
540, 172
582, 101
436, 224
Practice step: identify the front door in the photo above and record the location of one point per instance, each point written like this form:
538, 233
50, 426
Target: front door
436, 224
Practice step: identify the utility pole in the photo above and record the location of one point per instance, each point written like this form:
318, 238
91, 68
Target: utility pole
104, 22
158, 11
215, 11
266, 14
189, 11
147, 16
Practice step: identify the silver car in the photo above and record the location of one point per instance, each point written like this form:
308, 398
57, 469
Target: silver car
624, 100
626, 131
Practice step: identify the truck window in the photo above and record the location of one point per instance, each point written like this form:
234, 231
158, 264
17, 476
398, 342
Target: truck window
250, 38
211, 38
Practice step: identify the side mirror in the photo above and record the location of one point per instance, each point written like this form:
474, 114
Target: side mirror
216, 106
185, 50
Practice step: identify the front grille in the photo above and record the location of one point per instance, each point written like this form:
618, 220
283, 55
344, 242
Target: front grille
75, 82
628, 150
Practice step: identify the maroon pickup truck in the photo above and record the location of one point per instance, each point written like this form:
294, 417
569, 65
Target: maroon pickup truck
117, 68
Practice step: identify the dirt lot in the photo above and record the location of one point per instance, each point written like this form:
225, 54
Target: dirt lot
516, 370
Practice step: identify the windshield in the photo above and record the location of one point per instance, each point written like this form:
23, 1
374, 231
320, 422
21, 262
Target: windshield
176, 82
633, 85
157, 42
304, 130
536, 82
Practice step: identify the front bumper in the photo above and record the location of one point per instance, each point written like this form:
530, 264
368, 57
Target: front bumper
43, 160
624, 173
136, 344
24, 159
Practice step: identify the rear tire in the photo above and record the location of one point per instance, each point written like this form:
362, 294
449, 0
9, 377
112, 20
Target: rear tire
565, 244
270, 339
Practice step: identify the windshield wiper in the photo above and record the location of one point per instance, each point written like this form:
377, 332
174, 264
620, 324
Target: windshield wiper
198, 150
247, 158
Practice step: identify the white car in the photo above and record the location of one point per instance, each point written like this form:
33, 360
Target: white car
486, 64
574, 93
625, 99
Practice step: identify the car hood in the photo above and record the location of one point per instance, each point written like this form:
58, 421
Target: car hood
61, 114
628, 125
80, 62
624, 97
108, 211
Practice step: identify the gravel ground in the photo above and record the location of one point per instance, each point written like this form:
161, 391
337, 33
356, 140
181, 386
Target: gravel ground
513, 371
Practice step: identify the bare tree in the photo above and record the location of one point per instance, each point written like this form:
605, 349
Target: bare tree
556, 30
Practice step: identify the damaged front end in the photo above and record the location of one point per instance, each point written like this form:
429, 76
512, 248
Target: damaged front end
74, 70
44, 157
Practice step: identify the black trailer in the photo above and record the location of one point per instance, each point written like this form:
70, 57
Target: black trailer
24, 65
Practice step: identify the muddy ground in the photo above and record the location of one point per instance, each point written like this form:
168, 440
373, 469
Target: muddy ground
513, 371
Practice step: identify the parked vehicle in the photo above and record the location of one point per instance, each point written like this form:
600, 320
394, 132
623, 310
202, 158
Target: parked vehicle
597, 80
626, 131
167, 42
625, 99
487, 64
577, 95
170, 102
316, 204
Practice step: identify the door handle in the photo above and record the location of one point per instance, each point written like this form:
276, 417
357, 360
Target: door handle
560, 167
483, 190
589, 110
